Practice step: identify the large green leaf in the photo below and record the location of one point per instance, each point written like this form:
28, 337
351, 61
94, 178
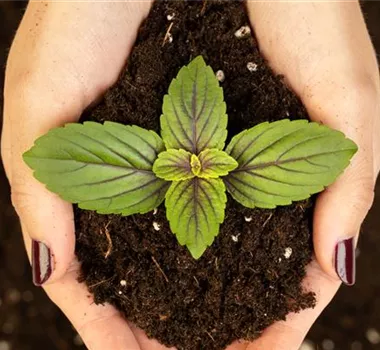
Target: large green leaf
195, 209
194, 113
107, 168
215, 163
173, 165
285, 161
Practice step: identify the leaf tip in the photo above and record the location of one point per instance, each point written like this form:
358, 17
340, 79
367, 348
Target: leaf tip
196, 251
26, 157
198, 60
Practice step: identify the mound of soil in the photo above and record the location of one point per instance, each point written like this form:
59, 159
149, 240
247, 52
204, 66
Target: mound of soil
251, 276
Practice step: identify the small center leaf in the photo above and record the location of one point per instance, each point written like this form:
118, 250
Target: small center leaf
195, 210
196, 165
173, 165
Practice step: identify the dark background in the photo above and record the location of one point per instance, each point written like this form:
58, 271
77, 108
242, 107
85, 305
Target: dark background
29, 321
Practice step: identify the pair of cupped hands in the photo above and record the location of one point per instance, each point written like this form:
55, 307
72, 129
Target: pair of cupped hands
64, 57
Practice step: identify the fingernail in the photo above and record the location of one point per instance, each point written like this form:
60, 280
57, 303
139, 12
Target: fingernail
345, 264
41, 263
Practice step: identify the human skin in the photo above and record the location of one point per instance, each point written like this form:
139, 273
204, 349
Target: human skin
66, 54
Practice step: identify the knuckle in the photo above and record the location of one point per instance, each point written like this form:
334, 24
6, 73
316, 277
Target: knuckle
362, 193
365, 199
362, 97
20, 200
350, 103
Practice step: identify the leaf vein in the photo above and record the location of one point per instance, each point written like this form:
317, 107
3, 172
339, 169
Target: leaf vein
301, 143
247, 184
105, 181
290, 160
179, 121
270, 145
156, 193
104, 145
237, 157
150, 162
79, 146
131, 190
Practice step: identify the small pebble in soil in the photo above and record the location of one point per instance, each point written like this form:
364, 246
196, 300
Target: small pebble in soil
252, 67
248, 218
307, 345
170, 38
235, 238
123, 283
120, 292
156, 226
373, 336
288, 252
220, 76
328, 344
170, 16
78, 340
243, 32
356, 345
155, 211
4, 345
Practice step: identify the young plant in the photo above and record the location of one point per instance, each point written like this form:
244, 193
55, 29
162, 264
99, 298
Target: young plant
118, 169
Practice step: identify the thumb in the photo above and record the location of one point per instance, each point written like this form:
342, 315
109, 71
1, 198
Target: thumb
50, 224
48, 219
338, 215
343, 206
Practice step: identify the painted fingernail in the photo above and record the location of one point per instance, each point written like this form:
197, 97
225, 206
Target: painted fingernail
345, 264
41, 263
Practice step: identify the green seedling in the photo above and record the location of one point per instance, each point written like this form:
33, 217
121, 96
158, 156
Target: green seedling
118, 169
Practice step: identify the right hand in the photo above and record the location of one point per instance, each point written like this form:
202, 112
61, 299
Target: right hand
64, 57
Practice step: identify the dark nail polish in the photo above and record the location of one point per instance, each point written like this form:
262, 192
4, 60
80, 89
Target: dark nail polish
41, 263
345, 264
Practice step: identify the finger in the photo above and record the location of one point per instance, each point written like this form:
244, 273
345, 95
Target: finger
47, 218
100, 327
35, 103
315, 43
289, 334
338, 215
342, 207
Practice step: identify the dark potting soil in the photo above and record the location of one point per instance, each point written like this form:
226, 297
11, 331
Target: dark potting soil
251, 276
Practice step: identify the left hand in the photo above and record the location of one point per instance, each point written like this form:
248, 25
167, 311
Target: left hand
326, 55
